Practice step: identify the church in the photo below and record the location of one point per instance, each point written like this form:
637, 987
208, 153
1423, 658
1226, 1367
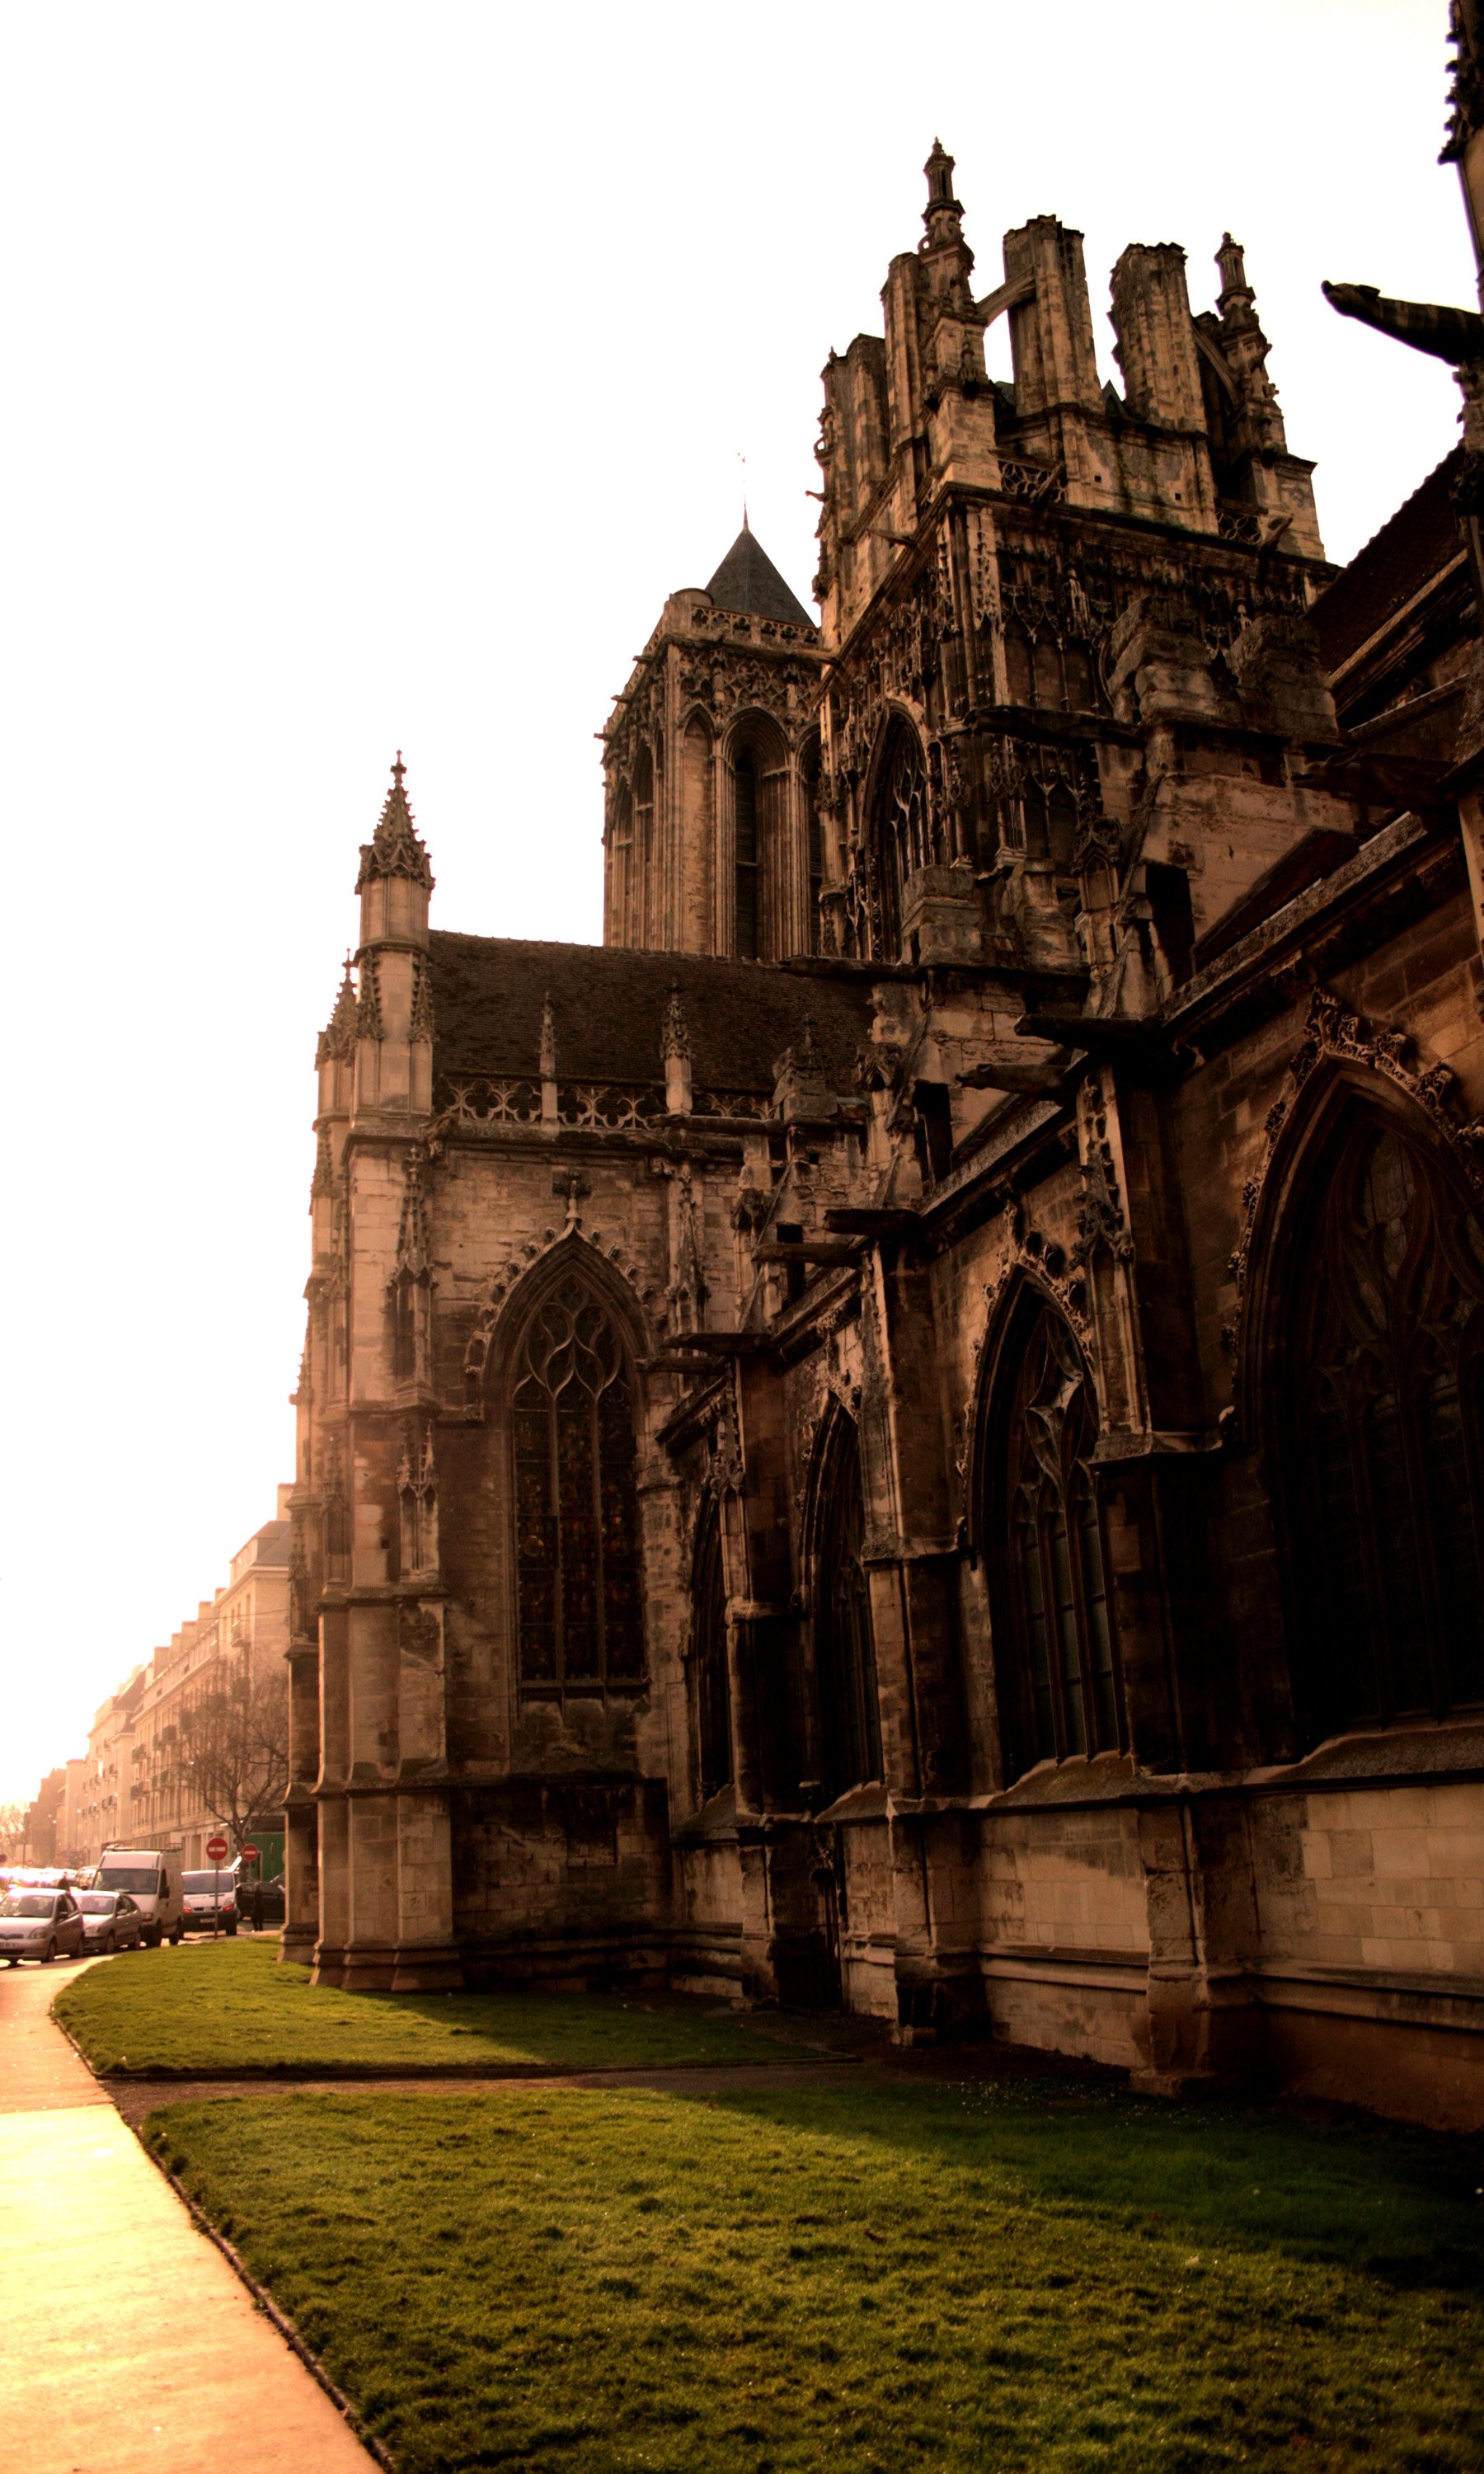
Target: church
908, 1432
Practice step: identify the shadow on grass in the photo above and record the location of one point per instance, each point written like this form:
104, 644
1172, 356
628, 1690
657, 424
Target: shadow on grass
1403, 2207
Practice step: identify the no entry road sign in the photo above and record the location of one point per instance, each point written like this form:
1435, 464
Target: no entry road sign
216, 1848
249, 1855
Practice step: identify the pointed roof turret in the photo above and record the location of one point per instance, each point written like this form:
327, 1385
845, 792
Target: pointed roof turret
747, 580
394, 848
338, 1037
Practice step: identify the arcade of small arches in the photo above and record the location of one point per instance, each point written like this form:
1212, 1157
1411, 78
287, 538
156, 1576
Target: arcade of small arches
1368, 1349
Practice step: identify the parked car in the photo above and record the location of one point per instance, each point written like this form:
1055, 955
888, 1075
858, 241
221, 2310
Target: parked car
39, 1924
208, 1900
263, 1902
110, 1921
151, 1879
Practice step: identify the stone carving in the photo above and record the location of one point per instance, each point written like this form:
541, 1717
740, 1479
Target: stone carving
367, 1007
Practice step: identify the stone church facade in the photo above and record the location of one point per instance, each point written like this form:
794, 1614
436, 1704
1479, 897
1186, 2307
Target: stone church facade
909, 1431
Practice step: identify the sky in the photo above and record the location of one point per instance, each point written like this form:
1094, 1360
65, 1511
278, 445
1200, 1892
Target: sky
371, 374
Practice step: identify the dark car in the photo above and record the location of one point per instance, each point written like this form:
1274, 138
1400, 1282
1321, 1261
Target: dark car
39, 1924
263, 1902
112, 1920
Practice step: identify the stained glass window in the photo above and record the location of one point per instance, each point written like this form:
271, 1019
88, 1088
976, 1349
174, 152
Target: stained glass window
1381, 1438
577, 1558
710, 1683
1060, 1675
845, 1654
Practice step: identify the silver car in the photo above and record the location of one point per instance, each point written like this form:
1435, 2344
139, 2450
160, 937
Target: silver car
111, 1921
39, 1924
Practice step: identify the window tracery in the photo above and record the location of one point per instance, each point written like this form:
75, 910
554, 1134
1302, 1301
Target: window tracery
1063, 1693
901, 833
1382, 1438
849, 1717
709, 1678
576, 1535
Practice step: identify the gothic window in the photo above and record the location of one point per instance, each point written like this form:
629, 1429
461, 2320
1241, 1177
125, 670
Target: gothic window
849, 1718
577, 1552
899, 825
1382, 1441
1059, 1667
644, 891
708, 1659
814, 840
1047, 670
745, 845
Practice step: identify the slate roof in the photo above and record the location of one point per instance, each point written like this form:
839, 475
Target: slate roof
609, 1007
747, 579
1414, 544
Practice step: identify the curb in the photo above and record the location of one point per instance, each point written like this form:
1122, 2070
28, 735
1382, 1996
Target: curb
270, 2311
308, 2073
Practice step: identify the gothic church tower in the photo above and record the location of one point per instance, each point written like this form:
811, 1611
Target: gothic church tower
711, 760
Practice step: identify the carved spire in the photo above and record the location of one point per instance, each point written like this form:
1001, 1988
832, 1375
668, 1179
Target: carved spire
413, 1258
548, 1057
338, 1037
676, 1038
394, 848
421, 1024
675, 1057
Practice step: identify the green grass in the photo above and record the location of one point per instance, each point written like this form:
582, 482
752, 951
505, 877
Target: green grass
1005, 2275
231, 2006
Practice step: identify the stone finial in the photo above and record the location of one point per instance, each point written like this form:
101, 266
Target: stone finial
394, 848
1230, 263
676, 1038
550, 1111
338, 1037
943, 215
675, 1057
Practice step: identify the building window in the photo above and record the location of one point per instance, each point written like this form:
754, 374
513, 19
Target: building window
1060, 1673
1382, 1440
900, 838
849, 1717
577, 1555
745, 828
709, 1678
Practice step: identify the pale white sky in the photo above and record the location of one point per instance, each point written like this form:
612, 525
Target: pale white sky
370, 375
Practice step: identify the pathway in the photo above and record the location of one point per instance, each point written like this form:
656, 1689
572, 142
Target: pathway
129, 2345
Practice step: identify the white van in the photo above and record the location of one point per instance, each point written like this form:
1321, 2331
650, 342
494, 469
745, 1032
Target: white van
153, 1880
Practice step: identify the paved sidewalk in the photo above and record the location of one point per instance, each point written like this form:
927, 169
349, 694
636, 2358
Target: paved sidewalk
129, 2345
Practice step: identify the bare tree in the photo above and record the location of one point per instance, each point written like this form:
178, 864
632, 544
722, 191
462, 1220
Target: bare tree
234, 1743
13, 1829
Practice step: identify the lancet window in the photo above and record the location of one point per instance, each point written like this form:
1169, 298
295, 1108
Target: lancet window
745, 849
709, 1682
1382, 1437
1059, 1664
900, 833
845, 1657
579, 1585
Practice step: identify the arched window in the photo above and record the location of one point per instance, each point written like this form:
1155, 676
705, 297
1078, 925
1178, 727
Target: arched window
645, 891
1057, 1666
709, 1680
901, 838
762, 899
814, 838
845, 1657
578, 1576
744, 806
1381, 1436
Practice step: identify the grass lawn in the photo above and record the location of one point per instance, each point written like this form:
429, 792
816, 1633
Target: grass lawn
1003, 2275
232, 2005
